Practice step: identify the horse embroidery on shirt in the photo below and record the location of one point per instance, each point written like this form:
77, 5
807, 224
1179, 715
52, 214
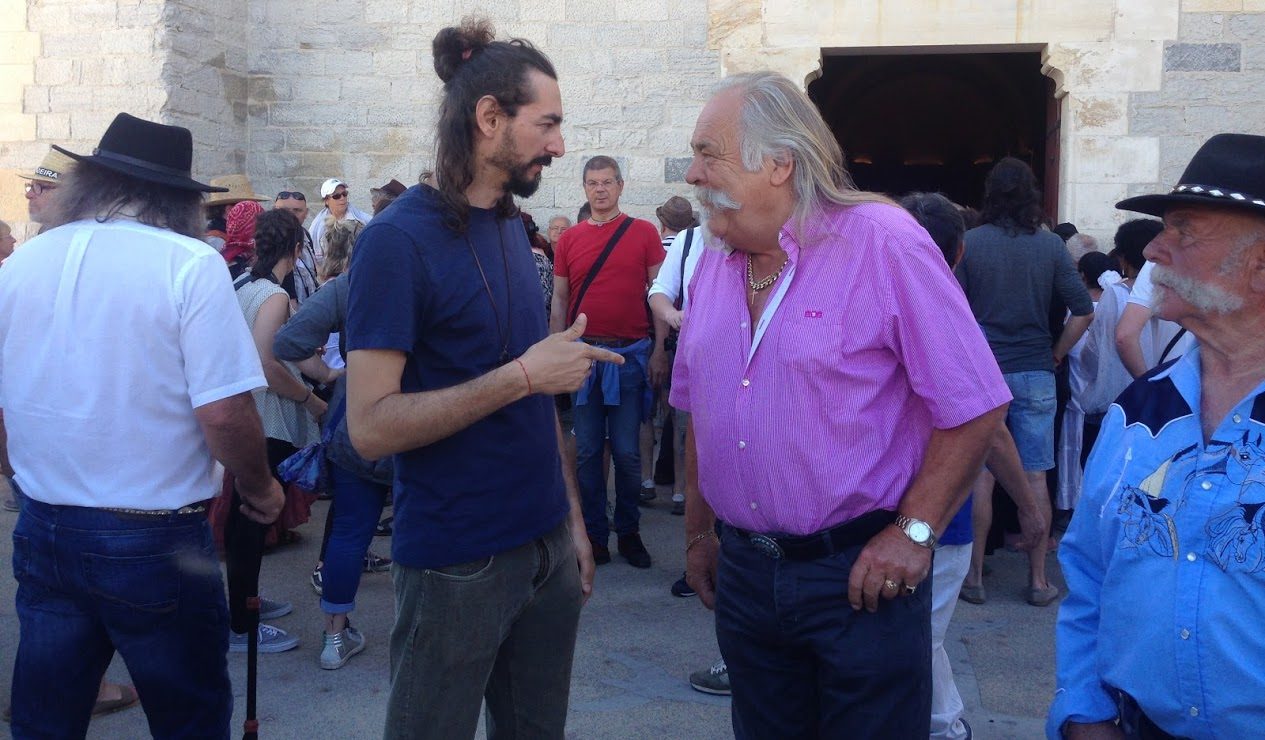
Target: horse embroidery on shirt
1235, 535
1143, 508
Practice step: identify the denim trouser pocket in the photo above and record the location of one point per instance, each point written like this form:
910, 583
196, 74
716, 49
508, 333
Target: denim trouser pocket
468, 571
149, 583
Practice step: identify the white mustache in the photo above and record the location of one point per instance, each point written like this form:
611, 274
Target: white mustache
715, 199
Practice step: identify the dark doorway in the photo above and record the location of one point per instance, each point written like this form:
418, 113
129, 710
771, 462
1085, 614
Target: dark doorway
938, 122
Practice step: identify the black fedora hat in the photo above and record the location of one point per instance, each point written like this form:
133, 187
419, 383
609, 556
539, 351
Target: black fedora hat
1228, 170
147, 151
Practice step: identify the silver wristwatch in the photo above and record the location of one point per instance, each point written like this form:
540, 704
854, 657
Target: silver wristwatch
918, 531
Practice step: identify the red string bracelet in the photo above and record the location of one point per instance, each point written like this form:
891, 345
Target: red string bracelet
525, 375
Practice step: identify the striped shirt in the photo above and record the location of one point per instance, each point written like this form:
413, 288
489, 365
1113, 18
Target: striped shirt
825, 411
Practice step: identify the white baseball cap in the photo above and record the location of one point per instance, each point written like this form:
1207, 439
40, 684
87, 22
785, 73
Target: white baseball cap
329, 186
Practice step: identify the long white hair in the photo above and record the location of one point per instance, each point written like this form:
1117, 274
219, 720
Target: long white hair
778, 121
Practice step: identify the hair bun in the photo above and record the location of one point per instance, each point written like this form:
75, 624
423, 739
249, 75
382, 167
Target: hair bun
454, 46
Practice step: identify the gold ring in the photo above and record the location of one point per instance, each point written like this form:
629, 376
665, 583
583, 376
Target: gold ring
910, 589
890, 584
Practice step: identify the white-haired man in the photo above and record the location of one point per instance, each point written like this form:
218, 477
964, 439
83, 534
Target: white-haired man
828, 441
1160, 635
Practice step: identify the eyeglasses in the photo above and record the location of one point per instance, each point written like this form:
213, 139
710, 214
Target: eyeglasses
604, 183
338, 196
35, 187
287, 195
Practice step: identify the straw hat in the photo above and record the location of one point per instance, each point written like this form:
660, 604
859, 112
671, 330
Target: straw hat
239, 189
53, 169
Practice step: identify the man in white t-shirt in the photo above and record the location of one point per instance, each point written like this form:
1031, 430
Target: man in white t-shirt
124, 376
1168, 341
337, 201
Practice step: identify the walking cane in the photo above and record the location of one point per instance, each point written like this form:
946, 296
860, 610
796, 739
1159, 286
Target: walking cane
243, 554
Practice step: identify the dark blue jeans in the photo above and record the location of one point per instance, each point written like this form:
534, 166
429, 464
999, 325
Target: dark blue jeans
357, 507
91, 582
594, 423
803, 664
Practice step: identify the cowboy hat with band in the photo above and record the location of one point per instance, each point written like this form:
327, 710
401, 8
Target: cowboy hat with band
146, 151
1227, 171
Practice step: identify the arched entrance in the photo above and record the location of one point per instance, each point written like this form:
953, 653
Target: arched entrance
938, 122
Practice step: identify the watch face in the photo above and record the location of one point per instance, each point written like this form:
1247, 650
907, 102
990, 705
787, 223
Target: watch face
919, 531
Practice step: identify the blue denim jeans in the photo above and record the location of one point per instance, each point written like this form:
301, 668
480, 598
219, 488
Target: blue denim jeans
497, 632
1030, 418
357, 507
91, 582
803, 664
595, 422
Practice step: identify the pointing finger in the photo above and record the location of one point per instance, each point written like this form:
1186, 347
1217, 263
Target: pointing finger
603, 355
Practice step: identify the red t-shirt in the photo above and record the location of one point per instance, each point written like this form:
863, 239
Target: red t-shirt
616, 301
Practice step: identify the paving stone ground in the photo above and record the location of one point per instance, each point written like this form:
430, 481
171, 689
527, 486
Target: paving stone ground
637, 646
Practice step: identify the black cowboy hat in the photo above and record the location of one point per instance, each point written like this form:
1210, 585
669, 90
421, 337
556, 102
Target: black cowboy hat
147, 151
1228, 170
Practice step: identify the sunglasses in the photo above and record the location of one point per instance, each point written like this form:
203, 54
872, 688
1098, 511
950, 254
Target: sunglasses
287, 195
338, 196
35, 187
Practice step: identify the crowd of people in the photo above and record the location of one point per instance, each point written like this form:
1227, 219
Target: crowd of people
847, 393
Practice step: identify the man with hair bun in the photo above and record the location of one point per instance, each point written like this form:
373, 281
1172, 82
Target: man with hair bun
451, 370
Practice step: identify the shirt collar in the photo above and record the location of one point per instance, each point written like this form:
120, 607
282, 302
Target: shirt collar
787, 239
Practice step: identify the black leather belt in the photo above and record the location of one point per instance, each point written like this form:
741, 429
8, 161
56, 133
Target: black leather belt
851, 533
610, 342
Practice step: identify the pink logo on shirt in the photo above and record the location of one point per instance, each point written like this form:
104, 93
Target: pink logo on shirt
813, 314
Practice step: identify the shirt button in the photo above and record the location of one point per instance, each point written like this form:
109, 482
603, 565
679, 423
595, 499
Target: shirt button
1237, 418
744, 325
745, 382
1194, 711
753, 506
743, 445
1190, 556
1185, 634
1206, 485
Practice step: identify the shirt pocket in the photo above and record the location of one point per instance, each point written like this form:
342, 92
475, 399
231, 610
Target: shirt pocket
810, 340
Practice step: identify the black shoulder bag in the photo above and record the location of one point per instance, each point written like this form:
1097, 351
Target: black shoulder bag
669, 343
597, 266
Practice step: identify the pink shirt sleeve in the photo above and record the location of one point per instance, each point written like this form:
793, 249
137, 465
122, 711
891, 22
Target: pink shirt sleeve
931, 329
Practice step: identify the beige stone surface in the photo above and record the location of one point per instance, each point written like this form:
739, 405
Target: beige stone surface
1203, 6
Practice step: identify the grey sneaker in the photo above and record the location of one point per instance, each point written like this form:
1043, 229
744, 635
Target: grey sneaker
714, 680
271, 640
340, 647
269, 609
376, 563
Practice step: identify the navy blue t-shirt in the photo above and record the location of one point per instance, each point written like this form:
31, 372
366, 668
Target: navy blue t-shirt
416, 288
959, 531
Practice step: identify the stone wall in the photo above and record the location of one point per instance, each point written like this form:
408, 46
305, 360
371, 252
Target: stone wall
1212, 81
346, 89
349, 90
204, 72
86, 60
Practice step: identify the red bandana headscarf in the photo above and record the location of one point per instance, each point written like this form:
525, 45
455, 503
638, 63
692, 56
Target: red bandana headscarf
240, 221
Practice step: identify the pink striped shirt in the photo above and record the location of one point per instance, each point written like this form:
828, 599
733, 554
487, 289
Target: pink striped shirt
867, 347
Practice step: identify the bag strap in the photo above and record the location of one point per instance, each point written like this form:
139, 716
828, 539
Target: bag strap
597, 266
685, 254
1171, 344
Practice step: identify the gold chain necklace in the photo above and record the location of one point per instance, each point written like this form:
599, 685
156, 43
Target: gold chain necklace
758, 285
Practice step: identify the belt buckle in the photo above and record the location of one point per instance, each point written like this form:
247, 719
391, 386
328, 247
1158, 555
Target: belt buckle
767, 546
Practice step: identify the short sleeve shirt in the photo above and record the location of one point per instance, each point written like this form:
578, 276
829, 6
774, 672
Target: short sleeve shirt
418, 287
870, 348
110, 336
615, 303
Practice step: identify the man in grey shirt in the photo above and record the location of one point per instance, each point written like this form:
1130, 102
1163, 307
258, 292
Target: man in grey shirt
1012, 271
